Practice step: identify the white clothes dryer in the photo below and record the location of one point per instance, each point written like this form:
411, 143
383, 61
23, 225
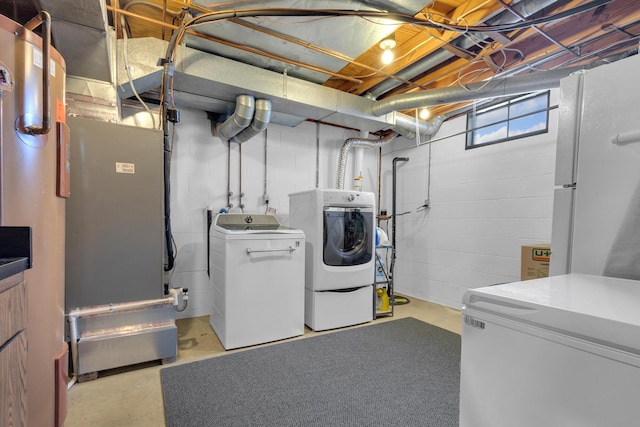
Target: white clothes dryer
257, 276
339, 255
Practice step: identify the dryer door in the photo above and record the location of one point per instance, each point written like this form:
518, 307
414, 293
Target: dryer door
348, 236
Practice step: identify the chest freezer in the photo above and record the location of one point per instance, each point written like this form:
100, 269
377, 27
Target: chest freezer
558, 351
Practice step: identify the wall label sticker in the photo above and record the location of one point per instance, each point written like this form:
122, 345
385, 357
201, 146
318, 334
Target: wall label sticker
125, 167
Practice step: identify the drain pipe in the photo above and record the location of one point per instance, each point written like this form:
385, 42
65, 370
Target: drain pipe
357, 142
393, 215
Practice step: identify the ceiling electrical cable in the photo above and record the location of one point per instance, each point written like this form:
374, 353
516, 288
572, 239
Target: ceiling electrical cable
187, 22
128, 69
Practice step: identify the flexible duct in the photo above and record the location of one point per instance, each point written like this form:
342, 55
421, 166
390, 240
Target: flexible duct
259, 123
357, 142
238, 121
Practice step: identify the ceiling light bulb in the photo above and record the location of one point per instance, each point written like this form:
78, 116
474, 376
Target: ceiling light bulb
387, 45
387, 56
424, 114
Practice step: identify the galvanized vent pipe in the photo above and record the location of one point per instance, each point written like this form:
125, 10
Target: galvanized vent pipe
238, 121
404, 124
504, 86
260, 121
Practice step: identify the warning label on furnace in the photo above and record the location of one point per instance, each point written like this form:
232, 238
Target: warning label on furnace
125, 167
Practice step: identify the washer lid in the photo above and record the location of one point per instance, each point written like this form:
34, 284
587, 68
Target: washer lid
234, 223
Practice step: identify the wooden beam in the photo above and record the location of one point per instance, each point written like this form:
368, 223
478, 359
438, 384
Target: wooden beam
423, 41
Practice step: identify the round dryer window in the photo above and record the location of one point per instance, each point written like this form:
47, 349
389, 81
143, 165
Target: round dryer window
348, 234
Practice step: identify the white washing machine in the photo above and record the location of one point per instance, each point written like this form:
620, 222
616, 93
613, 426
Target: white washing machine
340, 236
257, 276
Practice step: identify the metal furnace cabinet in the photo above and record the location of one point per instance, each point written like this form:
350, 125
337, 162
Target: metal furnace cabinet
114, 242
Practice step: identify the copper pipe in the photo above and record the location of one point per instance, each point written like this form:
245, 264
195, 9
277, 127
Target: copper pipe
141, 17
45, 19
272, 56
327, 52
116, 18
237, 46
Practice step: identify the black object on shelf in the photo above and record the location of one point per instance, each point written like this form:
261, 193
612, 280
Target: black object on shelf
15, 250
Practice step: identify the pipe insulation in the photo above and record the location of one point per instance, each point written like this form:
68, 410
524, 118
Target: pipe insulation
357, 142
260, 121
504, 86
238, 121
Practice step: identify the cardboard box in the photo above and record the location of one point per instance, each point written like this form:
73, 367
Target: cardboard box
535, 261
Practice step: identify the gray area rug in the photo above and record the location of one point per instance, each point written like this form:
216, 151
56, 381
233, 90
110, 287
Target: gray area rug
398, 373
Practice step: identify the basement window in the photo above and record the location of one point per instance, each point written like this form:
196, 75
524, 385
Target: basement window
516, 118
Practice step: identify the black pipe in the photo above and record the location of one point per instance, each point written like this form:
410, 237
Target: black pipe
168, 236
393, 219
209, 221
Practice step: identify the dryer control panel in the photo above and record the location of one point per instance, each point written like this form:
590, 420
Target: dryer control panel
347, 198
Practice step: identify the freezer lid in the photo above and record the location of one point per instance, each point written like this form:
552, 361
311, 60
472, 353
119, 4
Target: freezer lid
598, 309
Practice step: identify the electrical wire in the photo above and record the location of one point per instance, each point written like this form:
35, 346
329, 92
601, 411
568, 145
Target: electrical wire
178, 35
128, 69
535, 22
209, 17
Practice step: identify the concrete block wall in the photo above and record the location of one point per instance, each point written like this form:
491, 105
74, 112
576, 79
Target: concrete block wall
485, 203
199, 181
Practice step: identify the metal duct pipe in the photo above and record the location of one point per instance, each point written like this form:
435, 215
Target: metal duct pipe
489, 89
260, 121
404, 123
357, 142
238, 121
526, 8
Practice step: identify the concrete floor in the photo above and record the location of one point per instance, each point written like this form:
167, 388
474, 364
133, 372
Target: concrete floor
132, 396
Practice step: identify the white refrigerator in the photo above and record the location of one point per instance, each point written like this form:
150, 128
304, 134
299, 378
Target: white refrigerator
596, 211
565, 350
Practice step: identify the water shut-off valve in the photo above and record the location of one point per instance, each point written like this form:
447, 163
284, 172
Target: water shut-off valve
179, 294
